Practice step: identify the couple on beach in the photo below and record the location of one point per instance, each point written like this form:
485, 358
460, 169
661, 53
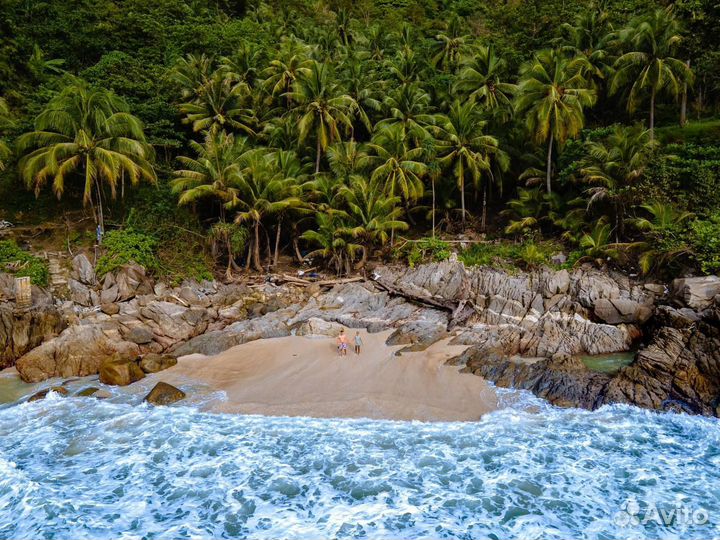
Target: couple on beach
342, 343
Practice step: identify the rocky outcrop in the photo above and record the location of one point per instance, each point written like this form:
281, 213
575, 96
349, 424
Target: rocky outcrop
697, 293
78, 351
21, 330
164, 394
120, 370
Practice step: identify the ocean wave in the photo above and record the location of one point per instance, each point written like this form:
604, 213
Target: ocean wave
84, 468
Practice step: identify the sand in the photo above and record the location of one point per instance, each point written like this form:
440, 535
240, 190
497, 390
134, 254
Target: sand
304, 376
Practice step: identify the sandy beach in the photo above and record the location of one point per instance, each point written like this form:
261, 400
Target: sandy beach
304, 376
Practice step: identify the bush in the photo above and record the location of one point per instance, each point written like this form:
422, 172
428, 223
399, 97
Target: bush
705, 239
21, 263
426, 250
529, 254
124, 246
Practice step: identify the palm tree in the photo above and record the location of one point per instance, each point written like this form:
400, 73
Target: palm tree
191, 74
215, 173
409, 106
553, 92
372, 216
449, 45
613, 166
281, 74
661, 229
88, 132
322, 107
649, 67
464, 147
5, 123
335, 241
244, 64
397, 166
481, 79
263, 190
222, 104
590, 36
346, 159
362, 89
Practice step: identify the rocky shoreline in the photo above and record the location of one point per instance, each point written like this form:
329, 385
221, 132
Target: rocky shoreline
524, 330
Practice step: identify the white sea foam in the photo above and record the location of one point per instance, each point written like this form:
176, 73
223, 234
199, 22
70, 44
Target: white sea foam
84, 468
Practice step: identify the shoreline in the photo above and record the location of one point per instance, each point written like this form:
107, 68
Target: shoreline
304, 376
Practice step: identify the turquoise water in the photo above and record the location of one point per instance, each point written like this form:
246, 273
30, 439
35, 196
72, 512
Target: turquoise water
85, 468
608, 363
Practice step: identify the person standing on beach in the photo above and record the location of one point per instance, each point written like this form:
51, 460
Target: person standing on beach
358, 343
342, 343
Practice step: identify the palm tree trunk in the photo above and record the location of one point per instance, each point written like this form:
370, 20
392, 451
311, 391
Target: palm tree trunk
484, 210
652, 114
277, 243
433, 207
683, 104
549, 164
317, 157
256, 247
250, 251
100, 216
462, 201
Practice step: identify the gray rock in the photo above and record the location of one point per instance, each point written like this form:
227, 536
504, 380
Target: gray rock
80, 293
83, 269
139, 334
697, 293
315, 326
621, 310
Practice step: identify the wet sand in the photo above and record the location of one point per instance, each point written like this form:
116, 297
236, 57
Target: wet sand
304, 376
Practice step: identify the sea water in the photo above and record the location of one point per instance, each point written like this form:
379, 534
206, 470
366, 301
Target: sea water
73, 468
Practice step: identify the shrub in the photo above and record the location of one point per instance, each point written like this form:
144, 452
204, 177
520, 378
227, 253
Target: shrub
705, 239
426, 250
507, 255
21, 263
127, 245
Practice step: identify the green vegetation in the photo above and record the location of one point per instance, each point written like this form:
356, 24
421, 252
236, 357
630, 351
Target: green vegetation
21, 263
224, 135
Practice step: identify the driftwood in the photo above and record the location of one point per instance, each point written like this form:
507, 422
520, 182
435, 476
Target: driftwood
460, 311
292, 280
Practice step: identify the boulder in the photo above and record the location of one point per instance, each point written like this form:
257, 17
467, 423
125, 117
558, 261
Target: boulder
697, 293
76, 352
139, 334
109, 294
83, 269
153, 363
315, 326
81, 294
87, 392
42, 394
131, 280
120, 371
164, 394
21, 330
622, 310
110, 309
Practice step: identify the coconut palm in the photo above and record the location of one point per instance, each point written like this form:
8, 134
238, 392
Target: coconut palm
263, 190
481, 79
613, 166
464, 148
372, 216
215, 172
396, 165
590, 35
322, 108
244, 64
281, 74
449, 45
406, 67
663, 242
336, 242
409, 106
222, 104
191, 74
649, 68
86, 133
346, 159
362, 89
552, 93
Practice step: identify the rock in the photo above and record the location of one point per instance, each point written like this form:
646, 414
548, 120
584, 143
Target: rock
81, 294
193, 296
110, 309
21, 330
557, 283
109, 294
153, 363
120, 371
315, 326
621, 310
558, 259
76, 352
42, 394
657, 289
131, 280
88, 392
697, 293
139, 334
83, 269
164, 394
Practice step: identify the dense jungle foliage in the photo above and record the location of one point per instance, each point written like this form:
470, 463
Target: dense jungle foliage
238, 132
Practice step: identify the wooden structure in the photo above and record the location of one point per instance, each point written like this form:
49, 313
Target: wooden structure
23, 292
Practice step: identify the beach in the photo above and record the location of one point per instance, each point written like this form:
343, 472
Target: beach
304, 376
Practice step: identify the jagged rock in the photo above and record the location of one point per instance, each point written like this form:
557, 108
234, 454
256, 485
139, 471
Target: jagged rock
557, 283
131, 280
621, 310
109, 294
193, 296
139, 334
42, 394
153, 363
76, 352
81, 294
24, 329
120, 371
164, 394
697, 293
83, 269
174, 321
87, 392
110, 309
